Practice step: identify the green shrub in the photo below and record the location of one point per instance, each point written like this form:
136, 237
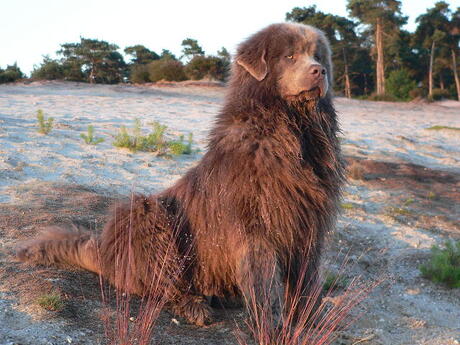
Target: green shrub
438, 128
179, 147
399, 84
89, 138
44, 125
154, 142
334, 281
166, 69
347, 205
10, 74
48, 70
211, 67
52, 301
439, 94
444, 265
139, 74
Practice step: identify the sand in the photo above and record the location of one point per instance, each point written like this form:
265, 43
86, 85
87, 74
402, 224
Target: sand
406, 310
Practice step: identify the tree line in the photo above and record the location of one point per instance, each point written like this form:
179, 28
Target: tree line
373, 56
97, 61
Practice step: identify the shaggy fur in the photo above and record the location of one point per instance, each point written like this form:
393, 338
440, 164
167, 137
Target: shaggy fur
257, 205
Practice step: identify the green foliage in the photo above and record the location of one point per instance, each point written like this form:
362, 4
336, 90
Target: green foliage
408, 201
191, 48
52, 301
155, 141
444, 265
347, 205
89, 138
179, 147
166, 69
333, 282
167, 55
44, 125
399, 84
437, 128
439, 94
139, 74
49, 70
98, 60
369, 11
10, 74
211, 67
431, 195
140, 54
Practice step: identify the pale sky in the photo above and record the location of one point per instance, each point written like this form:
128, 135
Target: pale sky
32, 28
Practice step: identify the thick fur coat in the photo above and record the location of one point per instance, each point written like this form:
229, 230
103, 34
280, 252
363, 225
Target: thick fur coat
257, 205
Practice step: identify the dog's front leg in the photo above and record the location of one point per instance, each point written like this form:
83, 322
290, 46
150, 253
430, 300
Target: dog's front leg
260, 282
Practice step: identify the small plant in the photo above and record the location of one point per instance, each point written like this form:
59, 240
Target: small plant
431, 196
89, 138
52, 301
408, 201
394, 211
334, 281
438, 128
44, 125
347, 205
399, 84
444, 265
179, 147
155, 141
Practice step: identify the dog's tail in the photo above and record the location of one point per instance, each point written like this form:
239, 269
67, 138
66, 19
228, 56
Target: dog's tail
59, 246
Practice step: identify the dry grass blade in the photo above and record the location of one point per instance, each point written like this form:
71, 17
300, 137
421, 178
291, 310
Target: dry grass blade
308, 320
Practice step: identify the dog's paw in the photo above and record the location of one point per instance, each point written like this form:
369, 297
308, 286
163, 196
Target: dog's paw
194, 309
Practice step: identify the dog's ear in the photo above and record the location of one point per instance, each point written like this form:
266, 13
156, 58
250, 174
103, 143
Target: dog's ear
253, 62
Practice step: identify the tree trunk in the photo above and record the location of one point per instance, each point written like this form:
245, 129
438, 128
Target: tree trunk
454, 68
430, 72
380, 58
347, 76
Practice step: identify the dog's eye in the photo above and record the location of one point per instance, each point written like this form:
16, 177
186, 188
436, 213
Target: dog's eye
290, 57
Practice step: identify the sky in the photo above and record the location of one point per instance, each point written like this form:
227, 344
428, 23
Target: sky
30, 29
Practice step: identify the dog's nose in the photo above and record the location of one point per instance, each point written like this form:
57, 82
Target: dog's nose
317, 70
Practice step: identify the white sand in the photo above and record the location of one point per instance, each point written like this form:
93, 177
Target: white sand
385, 131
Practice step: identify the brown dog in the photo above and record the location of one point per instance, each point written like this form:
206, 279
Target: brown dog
257, 205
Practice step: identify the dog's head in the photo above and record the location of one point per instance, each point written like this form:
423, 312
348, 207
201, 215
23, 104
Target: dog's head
294, 59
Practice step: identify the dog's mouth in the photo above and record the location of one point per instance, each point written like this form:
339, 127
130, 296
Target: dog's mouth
314, 93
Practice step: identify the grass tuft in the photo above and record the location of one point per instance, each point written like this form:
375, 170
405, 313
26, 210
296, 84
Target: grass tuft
347, 205
44, 125
444, 265
394, 211
155, 141
89, 138
334, 281
438, 128
52, 301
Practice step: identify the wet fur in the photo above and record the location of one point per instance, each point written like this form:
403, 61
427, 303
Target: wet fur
257, 205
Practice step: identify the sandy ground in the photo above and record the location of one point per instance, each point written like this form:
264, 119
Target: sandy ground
57, 178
